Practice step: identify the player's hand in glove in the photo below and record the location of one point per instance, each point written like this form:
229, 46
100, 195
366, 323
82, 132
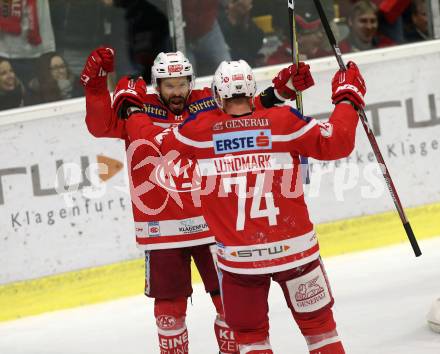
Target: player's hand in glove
349, 85
129, 96
99, 63
292, 79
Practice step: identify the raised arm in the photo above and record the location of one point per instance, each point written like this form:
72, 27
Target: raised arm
100, 120
334, 139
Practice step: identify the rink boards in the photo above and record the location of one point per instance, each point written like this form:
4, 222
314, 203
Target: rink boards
69, 240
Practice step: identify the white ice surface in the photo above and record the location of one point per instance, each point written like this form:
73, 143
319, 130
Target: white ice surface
382, 298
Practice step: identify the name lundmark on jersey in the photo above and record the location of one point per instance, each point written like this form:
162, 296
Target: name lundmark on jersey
243, 163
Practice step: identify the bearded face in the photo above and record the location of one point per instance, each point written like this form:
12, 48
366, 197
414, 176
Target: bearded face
174, 92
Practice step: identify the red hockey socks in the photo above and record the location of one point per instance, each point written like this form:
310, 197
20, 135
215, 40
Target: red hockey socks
333, 348
256, 348
173, 342
225, 336
327, 343
171, 327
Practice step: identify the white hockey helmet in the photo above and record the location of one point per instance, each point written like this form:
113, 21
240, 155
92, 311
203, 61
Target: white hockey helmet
232, 79
172, 64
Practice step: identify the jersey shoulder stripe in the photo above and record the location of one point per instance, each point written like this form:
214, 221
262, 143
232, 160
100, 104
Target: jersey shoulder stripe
300, 116
190, 142
296, 134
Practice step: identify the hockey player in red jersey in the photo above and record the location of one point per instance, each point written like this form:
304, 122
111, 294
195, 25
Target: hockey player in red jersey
256, 208
168, 225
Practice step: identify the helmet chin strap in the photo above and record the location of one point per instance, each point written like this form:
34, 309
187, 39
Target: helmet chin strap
252, 99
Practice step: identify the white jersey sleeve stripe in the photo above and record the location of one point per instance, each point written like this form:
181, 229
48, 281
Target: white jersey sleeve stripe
296, 134
190, 142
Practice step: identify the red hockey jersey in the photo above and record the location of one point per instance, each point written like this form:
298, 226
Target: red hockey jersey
252, 195
163, 209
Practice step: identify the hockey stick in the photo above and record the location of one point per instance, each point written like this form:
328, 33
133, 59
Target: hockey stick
295, 60
294, 47
371, 137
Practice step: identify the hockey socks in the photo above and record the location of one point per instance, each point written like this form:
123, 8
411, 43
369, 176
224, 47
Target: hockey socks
173, 342
256, 348
225, 337
171, 327
327, 343
332, 348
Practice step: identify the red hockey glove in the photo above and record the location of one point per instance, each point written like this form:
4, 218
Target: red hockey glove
100, 62
290, 80
349, 85
129, 92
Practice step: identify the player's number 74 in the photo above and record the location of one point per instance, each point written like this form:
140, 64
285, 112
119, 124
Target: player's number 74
270, 212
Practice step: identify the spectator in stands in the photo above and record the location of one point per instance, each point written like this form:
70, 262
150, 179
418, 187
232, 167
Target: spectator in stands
363, 22
12, 92
311, 38
82, 25
26, 33
391, 19
242, 35
418, 28
205, 44
147, 28
390, 15
54, 80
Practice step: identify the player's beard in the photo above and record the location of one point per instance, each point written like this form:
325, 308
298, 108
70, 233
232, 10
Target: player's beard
176, 104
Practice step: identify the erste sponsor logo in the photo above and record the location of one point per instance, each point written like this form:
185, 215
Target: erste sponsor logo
245, 140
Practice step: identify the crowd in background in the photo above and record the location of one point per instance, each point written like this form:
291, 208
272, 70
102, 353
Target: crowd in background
44, 43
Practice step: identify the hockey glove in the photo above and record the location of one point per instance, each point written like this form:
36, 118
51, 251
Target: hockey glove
98, 64
349, 85
290, 80
130, 92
